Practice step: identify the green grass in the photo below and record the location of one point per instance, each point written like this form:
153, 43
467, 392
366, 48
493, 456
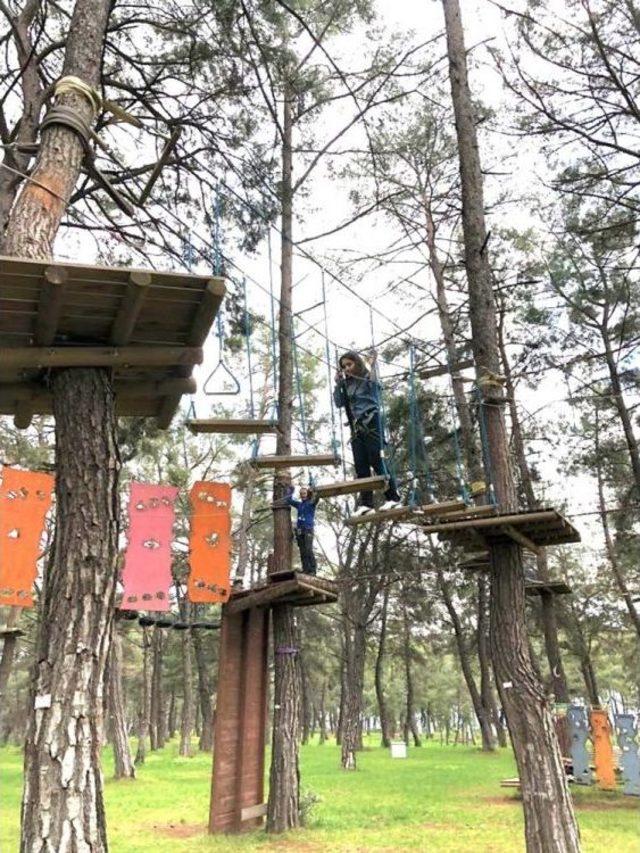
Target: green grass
439, 798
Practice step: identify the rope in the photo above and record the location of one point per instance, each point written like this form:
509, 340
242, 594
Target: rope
217, 236
74, 85
303, 419
413, 427
462, 484
334, 441
188, 257
388, 466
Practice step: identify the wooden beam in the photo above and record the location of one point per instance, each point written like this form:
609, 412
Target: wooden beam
169, 145
81, 356
130, 308
472, 512
430, 372
520, 538
348, 487
294, 461
50, 304
232, 426
24, 414
441, 508
301, 586
37, 395
206, 312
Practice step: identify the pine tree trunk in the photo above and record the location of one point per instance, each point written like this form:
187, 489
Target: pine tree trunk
379, 673
63, 800
283, 808
157, 729
186, 722
172, 719
8, 651
550, 823
322, 714
488, 743
123, 764
410, 703
547, 600
306, 702
487, 696
205, 694
355, 649
145, 706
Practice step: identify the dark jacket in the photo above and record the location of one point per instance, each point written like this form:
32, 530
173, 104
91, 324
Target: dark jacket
306, 511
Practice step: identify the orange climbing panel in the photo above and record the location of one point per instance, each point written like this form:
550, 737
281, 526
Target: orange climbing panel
25, 498
210, 542
601, 735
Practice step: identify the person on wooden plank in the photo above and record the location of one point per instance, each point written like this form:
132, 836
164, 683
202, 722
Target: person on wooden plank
357, 391
305, 524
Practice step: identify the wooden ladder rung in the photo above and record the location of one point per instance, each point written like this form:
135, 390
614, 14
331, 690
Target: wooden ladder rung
232, 426
295, 461
348, 487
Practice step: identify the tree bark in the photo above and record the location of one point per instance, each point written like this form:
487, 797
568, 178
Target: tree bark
145, 705
379, 673
172, 718
322, 714
355, 649
306, 700
8, 651
283, 808
123, 764
62, 806
550, 823
187, 718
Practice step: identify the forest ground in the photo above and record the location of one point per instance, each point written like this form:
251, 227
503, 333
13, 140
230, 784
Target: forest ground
439, 798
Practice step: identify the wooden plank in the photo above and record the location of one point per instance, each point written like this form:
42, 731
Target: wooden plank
295, 461
400, 513
442, 508
26, 357
443, 369
130, 308
250, 812
549, 515
206, 312
472, 511
318, 589
232, 426
552, 587
348, 487
39, 395
520, 538
50, 305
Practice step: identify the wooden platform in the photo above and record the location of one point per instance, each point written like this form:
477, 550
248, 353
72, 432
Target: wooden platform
148, 326
533, 529
349, 487
295, 588
435, 511
535, 587
277, 462
232, 426
11, 632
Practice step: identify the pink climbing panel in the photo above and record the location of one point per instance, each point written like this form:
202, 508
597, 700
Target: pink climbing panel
25, 498
147, 566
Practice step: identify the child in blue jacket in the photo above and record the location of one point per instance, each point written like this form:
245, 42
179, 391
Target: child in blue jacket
304, 528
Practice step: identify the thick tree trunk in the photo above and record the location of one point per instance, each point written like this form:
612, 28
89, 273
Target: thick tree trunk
379, 673
322, 714
157, 729
172, 719
62, 804
283, 808
488, 742
205, 693
145, 705
623, 412
306, 700
123, 764
550, 823
410, 721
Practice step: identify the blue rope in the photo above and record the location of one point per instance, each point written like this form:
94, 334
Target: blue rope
484, 443
217, 235
188, 257
462, 484
303, 419
388, 465
413, 426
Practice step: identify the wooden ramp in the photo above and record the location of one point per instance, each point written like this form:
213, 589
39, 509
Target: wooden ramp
149, 327
294, 588
349, 487
277, 462
532, 529
232, 426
